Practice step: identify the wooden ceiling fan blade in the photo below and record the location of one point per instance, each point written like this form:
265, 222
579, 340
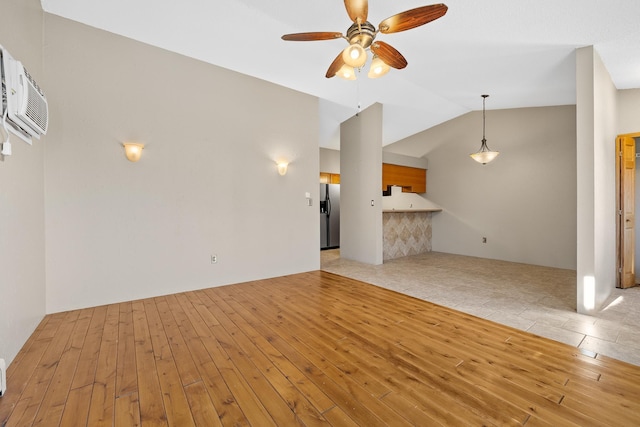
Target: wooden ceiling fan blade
307, 37
389, 55
335, 66
357, 10
412, 18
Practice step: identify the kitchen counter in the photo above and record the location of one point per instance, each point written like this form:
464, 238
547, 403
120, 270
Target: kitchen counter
411, 210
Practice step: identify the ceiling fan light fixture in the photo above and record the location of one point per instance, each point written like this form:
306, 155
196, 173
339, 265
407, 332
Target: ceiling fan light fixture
354, 55
362, 33
378, 68
346, 72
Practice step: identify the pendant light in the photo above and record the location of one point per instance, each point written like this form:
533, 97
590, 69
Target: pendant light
484, 155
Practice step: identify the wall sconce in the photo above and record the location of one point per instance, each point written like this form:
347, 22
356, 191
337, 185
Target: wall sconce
282, 167
133, 151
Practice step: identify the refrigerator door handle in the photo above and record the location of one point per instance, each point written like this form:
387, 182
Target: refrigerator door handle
328, 206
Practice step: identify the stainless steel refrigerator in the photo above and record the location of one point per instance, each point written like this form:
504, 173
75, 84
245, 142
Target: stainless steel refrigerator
329, 216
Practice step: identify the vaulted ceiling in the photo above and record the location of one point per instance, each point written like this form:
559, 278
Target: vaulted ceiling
521, 52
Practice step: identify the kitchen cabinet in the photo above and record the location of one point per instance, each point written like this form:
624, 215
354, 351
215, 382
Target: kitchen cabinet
329, 178
412, 180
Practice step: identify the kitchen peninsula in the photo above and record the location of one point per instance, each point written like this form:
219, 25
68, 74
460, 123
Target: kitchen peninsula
406, 224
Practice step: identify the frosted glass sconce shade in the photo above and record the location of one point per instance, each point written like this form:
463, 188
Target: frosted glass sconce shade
133, 151
282, 168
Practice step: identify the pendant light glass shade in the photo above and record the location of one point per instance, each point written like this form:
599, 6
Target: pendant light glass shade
484, 155
378, 68
354, 55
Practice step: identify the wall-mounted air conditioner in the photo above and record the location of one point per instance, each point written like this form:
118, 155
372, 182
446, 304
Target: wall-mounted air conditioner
23, 102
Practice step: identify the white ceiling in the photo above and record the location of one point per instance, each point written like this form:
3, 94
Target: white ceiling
520, 52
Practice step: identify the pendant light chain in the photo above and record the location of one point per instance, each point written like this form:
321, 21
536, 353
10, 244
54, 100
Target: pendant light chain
484, 98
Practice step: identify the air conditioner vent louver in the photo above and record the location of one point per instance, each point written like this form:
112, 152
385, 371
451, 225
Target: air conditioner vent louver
36, 109
3, 100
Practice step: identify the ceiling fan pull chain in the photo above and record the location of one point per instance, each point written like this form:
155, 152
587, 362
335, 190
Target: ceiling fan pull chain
359, 108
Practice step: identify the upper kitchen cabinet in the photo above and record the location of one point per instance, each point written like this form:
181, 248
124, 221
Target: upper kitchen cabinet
412, 180
329, 178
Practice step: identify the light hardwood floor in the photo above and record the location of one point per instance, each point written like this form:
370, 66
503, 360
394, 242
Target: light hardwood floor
307, 349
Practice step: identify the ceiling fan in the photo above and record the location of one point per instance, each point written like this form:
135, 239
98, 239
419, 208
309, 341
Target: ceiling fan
361, 36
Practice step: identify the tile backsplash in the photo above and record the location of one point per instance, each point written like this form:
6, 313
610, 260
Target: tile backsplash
406, 233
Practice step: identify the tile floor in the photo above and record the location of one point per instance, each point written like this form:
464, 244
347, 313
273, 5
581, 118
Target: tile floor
537, 299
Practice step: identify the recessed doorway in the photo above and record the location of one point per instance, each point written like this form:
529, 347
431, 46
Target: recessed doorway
626, 199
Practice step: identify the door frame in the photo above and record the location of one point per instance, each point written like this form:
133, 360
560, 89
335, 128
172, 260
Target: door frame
619, 215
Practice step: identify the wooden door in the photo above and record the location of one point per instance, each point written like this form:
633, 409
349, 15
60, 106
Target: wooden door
626, 210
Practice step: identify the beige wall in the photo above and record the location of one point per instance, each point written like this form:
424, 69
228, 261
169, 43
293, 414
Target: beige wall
628, 111
206, 184
22, 251
596, 132
524, 202
360, 193
329, 160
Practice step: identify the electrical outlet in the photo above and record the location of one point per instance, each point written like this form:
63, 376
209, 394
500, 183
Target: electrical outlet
214, 259
3, 378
